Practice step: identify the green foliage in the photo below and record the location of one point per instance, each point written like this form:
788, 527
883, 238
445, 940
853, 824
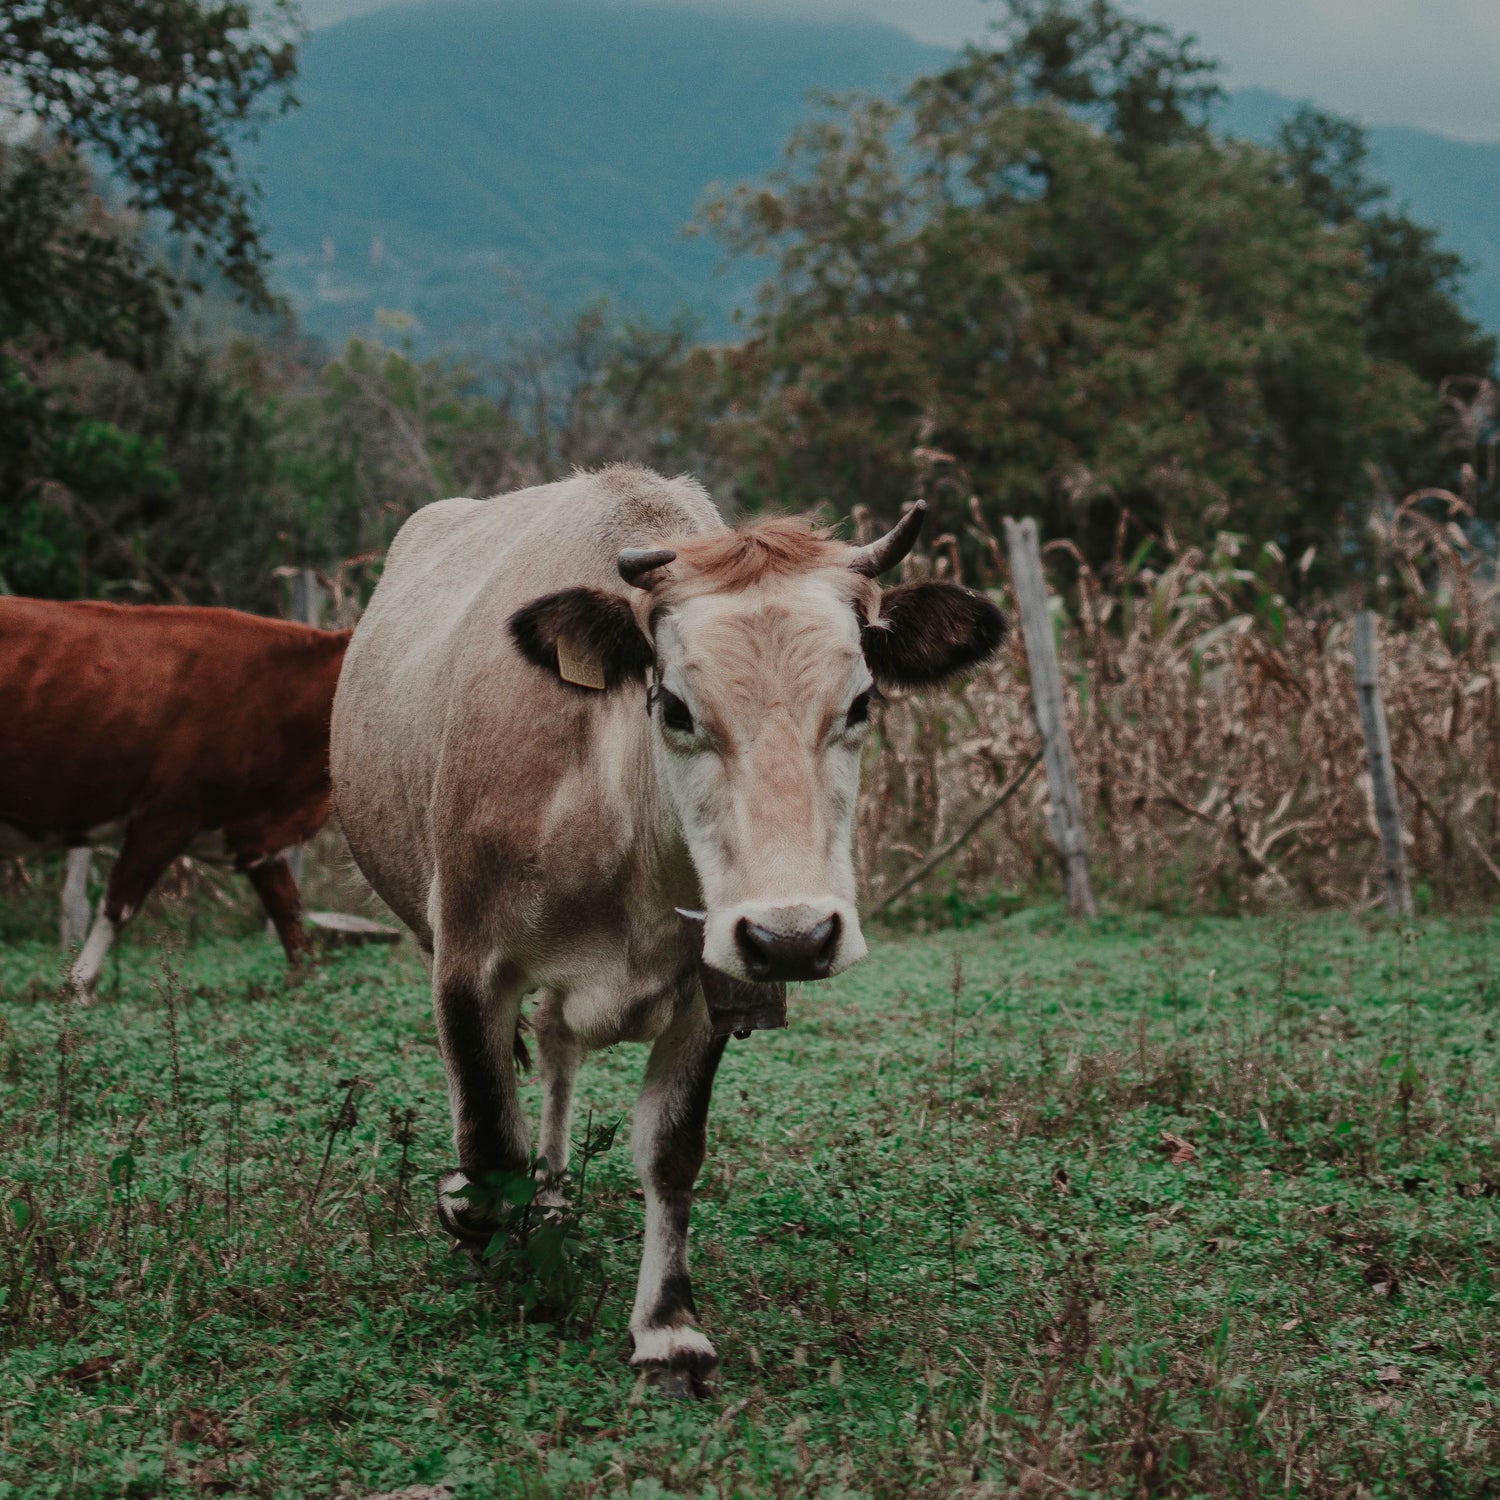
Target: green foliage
113, 476
76, 277
1413, 312
1159, 1207
1144, 85
1041, 282
160, 91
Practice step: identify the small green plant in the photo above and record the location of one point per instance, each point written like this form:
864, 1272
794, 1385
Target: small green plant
540, 1253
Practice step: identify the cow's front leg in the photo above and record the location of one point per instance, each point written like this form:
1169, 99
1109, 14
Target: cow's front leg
669, 1136
559, 1056
476, 1025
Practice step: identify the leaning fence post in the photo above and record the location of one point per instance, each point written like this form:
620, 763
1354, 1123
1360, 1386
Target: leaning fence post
1382, 766
1066, 816
74, 926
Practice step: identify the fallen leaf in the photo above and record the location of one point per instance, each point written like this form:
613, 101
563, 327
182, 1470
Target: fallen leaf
199, 1425
416, 1492
1382, 1280
1390, 1375
1290, 1324
1060, 1179
1323, 1210
1179, 1150
90, 1370
216, 1474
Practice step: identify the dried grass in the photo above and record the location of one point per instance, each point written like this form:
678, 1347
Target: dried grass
1217, 735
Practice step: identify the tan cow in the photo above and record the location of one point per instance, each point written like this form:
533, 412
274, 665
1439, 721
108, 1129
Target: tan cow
536, 815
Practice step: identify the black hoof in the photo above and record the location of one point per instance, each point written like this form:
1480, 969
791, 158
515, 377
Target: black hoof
470, 1228
688, 1377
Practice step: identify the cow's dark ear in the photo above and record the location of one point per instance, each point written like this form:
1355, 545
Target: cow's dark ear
930, 631
583, 636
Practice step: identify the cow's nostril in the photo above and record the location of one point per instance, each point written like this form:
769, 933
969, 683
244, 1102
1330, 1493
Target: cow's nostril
756, 945
824, 940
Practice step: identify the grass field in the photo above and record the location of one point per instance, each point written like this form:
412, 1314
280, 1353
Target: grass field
1153, 1207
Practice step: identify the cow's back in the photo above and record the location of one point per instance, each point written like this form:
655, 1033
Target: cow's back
109, 708
438, 718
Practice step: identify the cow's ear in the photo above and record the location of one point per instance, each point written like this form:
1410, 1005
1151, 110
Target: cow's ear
583, 636
930, 631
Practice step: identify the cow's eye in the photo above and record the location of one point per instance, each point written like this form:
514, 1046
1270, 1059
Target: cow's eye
675, 714
859, 710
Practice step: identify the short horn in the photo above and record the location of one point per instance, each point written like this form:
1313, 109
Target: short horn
883, 555
636, 562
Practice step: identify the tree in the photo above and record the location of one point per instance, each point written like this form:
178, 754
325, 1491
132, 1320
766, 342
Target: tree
1413, 286
160, 91
1137, 80
157, 92
1040, 280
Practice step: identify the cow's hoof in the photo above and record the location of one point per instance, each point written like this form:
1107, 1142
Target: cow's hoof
469, 1226
678, 1362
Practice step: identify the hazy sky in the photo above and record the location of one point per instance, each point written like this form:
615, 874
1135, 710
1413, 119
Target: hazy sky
1434, 63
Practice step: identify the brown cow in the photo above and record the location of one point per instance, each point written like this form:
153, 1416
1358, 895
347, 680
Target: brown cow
158, 724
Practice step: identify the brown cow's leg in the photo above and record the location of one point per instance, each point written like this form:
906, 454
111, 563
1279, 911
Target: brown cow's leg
277, 889
151, 844
669, 1136
476, 1025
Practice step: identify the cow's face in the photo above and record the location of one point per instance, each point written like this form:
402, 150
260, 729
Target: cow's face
764, 648
759, 714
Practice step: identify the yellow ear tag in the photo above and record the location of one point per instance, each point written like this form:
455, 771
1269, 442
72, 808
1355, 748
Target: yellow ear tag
579, 668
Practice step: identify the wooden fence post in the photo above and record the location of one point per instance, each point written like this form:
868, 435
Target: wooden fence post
1382, 767
1066, 815
76, 914
307, 597
307, 608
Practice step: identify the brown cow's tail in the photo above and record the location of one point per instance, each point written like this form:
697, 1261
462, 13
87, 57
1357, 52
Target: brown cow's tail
523, 1054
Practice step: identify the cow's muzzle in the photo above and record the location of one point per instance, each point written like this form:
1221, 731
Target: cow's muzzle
803, 953
765, 943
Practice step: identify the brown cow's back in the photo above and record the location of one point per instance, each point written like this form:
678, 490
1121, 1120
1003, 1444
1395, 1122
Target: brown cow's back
106, 709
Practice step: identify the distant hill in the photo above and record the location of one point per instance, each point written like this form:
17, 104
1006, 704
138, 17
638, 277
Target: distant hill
1454, 185
463, 161
467, 163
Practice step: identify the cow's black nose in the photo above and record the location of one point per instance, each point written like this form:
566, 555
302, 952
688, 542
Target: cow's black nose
788, 955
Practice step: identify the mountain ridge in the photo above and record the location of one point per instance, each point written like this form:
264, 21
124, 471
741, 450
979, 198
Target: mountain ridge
462, 168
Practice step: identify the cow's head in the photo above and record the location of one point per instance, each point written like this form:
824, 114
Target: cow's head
764, 647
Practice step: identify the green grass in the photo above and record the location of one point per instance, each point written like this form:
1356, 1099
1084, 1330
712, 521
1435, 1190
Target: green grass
943, 1244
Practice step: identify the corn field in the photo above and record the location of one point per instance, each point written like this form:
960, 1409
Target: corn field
1218, 741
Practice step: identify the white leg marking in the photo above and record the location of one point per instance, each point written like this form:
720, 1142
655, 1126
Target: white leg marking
559, 1056
90, 963
672, 1346
449, 1186
75, 898
662, 1323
